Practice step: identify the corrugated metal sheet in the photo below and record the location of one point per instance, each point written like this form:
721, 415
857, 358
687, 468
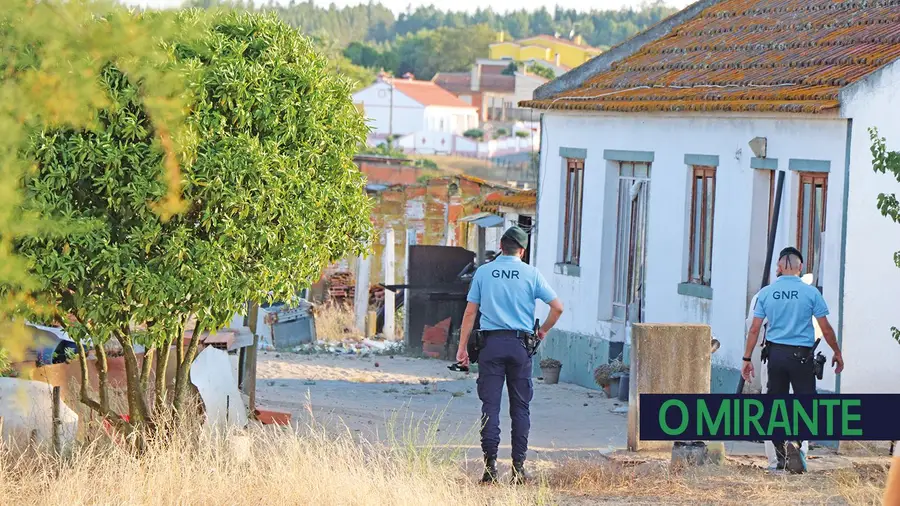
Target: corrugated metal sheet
749, 55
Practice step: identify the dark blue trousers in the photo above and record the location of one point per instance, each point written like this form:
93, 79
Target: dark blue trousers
504, 358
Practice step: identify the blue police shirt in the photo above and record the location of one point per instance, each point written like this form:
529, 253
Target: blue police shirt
790, 305
506, 290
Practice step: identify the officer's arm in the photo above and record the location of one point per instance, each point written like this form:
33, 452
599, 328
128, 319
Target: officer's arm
468, 323
828, 334
556, 310
753, 335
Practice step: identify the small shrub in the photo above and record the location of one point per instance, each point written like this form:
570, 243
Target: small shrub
474, 133
501, 132
550, 363
606, 373
522, 134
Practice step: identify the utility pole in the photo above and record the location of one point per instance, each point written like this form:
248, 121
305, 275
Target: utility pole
391, 116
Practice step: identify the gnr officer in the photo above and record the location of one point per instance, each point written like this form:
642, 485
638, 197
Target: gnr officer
505, 291
789, 304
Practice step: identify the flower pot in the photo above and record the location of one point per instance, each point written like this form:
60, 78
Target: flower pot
614, 388
551, 375
624, 387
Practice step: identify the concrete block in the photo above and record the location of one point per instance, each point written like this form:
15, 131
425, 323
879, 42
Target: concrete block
666, 359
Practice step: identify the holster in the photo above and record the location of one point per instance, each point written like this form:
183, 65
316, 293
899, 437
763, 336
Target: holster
475, 345
531, 343
764, 354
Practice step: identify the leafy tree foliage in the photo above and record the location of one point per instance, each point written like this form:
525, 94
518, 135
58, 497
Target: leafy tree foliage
52, 52
267, 173
887, 162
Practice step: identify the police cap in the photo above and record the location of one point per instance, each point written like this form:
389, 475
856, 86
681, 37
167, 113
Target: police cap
790, 250
517, 235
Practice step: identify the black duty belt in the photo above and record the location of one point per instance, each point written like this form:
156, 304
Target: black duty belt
518, 334
790, 347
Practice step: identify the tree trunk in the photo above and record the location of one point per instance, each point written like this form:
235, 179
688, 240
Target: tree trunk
103, 375
102, 407
162, 364
147, 368
184, 367
137, 407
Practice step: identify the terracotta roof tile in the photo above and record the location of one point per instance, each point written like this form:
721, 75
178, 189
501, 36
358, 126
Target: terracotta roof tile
749, 55
522, 200
428, 93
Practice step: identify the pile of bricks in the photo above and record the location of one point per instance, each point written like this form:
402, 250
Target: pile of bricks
341, 286
434, 339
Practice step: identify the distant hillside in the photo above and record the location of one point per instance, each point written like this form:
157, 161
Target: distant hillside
362, 39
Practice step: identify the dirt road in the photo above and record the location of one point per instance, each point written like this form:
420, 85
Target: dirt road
402, 394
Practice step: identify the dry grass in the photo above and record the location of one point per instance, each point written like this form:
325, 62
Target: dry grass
654, 482
335, 322
258, 466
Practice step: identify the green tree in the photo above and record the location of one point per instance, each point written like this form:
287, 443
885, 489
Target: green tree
273, 197
50, 51
884, 161
542, 71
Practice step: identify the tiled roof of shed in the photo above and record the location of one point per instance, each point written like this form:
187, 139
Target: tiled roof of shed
526, 199
748, 55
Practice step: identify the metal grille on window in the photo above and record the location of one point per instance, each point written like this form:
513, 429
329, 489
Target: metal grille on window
811, 220
631, 237
703, 199
572, 223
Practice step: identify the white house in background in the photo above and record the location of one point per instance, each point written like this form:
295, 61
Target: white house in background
403, 106
654, 208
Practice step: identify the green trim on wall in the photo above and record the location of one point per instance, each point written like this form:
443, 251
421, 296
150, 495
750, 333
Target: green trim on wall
578, 153
764, 163
846, 201
695, 290
705, 160
800, 165
617, 155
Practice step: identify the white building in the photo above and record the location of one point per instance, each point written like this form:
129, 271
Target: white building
653, 208
404, 106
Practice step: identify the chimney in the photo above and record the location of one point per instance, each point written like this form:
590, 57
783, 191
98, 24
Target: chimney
501, 36
555, 35
409, 76
475, 85
579, 40
557, 59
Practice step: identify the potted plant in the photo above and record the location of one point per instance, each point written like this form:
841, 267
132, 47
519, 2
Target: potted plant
608, 375
550, 370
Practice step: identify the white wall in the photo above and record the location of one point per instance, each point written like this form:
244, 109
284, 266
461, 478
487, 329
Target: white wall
408, 115
871, 279
450, 119
670, 138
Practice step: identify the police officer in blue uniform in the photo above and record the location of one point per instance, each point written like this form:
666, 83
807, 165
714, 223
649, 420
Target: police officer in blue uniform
505, 292
789, 304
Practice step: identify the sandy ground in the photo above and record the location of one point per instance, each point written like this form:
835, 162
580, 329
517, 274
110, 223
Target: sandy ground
400, 394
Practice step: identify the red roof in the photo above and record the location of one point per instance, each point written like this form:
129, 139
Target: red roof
428, 93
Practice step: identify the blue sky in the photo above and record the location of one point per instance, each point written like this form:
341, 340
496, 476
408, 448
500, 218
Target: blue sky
469, 5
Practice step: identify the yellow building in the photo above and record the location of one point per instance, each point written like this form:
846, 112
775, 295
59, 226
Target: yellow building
547, 48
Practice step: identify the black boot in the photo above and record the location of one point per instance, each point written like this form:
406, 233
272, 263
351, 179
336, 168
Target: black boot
793, 460
518, 473
490, 470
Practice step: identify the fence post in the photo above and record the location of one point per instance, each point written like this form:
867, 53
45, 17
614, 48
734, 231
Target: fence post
57, 423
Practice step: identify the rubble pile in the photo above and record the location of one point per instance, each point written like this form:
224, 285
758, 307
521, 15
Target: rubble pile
357, 347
